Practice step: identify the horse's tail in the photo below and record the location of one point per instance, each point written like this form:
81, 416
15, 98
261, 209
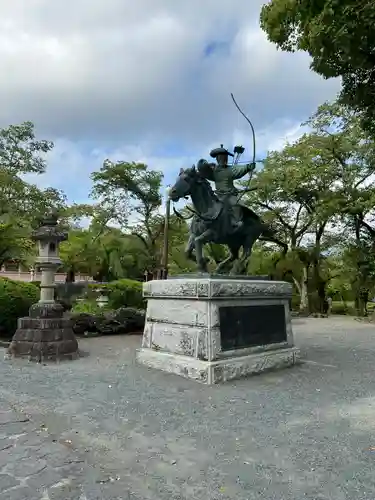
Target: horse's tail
268, 232
249, 214
270, 235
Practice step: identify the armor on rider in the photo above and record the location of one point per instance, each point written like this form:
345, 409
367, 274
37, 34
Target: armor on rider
223, 176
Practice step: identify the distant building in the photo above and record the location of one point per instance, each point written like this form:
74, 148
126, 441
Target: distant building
17, 271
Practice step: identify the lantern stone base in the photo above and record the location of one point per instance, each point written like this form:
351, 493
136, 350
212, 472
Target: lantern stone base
214, 329
44, 335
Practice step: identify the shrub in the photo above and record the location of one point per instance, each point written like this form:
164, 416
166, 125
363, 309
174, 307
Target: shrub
70, 291
342, 309
88, 307
296, 299
126, 293
122, 293
16, 297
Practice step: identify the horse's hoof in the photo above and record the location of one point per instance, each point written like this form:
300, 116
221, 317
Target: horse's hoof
203, 270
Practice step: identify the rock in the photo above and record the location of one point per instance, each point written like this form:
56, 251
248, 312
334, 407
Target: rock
132, 320
65, 303
123, 320
109, 326
84, 322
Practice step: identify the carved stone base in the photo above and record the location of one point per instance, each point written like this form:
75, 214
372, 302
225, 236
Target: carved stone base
223, 370
43, 338
214, 329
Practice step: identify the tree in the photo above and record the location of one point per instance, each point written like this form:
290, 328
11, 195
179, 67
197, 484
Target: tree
22, 204
15, 243
131, 192
313, 190
107, 256
320, 192
340, 38
118, 255
77, 254
20, 152
294, 192
352, 153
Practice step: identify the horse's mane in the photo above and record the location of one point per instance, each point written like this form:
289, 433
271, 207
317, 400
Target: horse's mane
204, 181
208, 186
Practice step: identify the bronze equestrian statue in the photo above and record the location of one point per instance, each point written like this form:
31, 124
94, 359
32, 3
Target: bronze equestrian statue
219, 217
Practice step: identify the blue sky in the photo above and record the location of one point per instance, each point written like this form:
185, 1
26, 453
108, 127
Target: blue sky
147, 81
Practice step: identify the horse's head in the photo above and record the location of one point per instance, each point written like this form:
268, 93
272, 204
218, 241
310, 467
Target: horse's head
184, 184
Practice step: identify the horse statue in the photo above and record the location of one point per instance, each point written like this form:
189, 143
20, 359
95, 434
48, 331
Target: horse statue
211, 224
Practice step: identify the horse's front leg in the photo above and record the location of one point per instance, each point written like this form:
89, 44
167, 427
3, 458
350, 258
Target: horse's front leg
190, 247
200, 241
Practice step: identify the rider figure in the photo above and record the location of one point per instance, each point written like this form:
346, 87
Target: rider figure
223, 176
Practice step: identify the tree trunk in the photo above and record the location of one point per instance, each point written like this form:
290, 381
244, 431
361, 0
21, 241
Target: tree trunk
319, 283
360, 302
304, 304
70, 276
322, 296
359, 305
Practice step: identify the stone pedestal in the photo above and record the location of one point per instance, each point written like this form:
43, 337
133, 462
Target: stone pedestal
214, 329
44, 335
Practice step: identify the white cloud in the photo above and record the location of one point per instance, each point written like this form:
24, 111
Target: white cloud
131, 80
282, 134
91, 68
71, 164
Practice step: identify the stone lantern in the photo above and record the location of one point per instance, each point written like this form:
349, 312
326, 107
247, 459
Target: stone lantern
45, 334
102, 299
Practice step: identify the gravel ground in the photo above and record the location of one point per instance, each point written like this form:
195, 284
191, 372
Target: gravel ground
104, 428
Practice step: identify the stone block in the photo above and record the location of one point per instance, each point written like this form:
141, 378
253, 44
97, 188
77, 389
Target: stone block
48, 337
46, 310
214, 329
44, 323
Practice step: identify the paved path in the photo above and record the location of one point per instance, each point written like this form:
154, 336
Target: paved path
105, 428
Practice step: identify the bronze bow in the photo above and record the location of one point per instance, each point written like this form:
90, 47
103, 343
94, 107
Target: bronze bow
254, 145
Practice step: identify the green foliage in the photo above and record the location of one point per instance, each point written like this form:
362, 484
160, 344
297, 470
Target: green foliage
132, 188
15, 242
22, 203
88, 307
126, 293
68, 292
343, 308
123, 293
135, 180
20, 152
76, 253
296, 300
16, 297
338, 35
319, 194
106, 255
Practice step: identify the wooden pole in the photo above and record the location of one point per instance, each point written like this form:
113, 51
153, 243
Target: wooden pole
164, 261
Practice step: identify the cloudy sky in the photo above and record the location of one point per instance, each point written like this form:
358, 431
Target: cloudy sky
147, 80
